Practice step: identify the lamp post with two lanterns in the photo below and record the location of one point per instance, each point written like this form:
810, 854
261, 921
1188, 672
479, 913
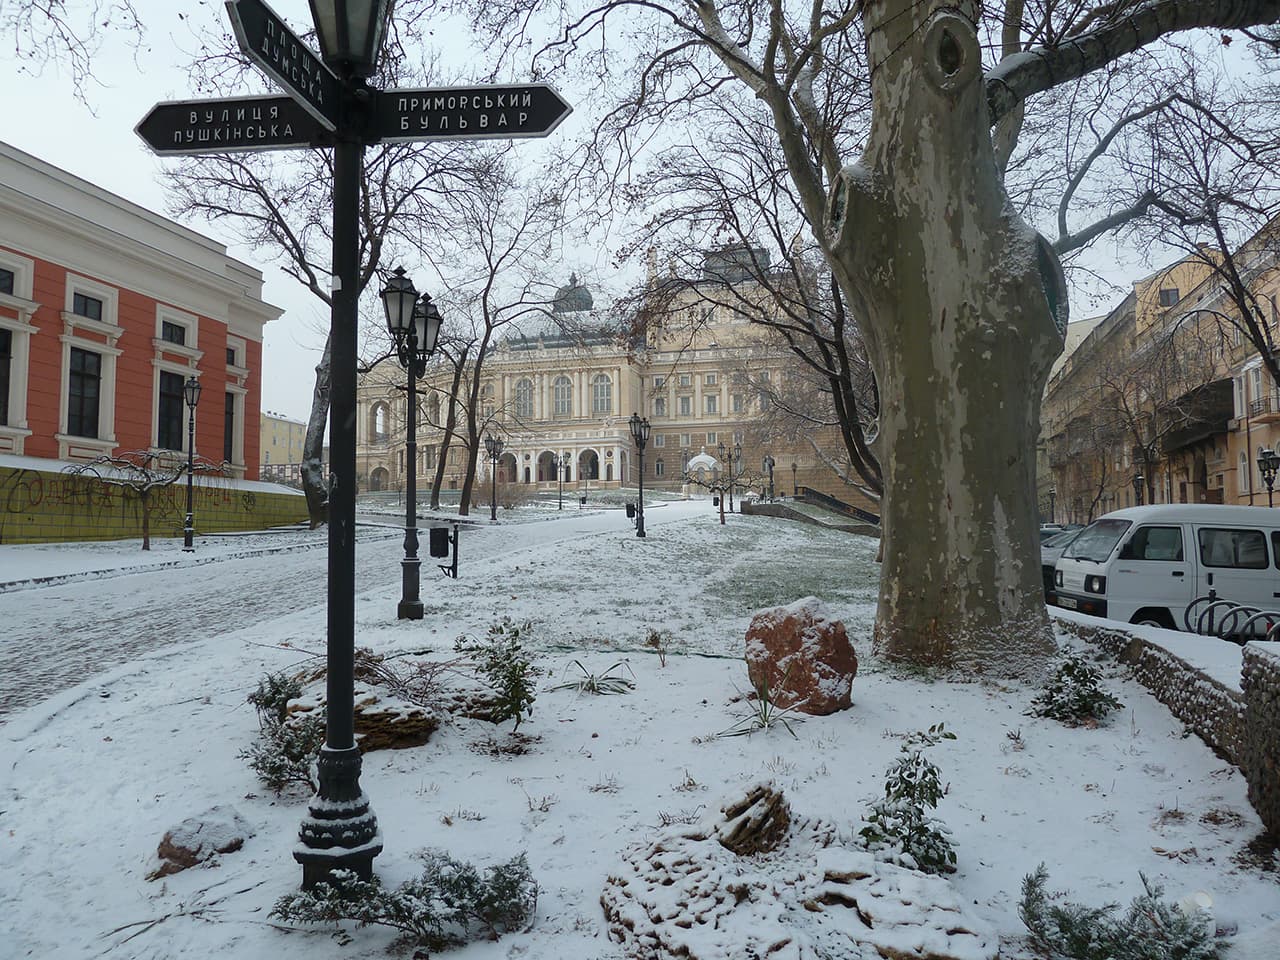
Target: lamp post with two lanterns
1268, 463
795, 490
1138, 481
191, 393
494, 446
562, 468
768, 466
640, 434
414, 325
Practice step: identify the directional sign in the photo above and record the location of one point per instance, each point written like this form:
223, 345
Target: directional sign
469, 113
269, 43
221, 126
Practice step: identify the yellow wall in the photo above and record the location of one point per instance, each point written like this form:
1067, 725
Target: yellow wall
280, 440
38, 506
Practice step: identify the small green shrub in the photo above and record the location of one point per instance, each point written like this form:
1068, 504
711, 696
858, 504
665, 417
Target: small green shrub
272, 697
765, 714
285, 751
503, 665
1073, 694
450, 903
1150, 929
898, 825
600, 684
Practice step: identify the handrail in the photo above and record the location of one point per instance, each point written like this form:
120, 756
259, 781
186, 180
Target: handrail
839, 506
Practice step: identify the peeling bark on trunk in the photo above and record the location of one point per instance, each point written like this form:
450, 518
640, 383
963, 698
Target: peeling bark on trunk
314, 486
955, 294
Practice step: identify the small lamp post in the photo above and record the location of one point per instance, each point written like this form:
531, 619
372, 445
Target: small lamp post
795, 491
494, 446
768, 466
562, 468
1053, 496
640, 434
191, 393
735, 469
1138, 480
414, 325
1268, 463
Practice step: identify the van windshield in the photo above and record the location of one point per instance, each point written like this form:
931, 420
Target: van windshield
1097, 540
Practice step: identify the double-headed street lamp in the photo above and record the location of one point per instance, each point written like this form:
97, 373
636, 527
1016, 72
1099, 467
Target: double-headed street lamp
1268, 463
191, 393
494, 446
562, 468
1053, 496
414, 325
640, 434
795, 490
768, 465
735, 469
1138, 480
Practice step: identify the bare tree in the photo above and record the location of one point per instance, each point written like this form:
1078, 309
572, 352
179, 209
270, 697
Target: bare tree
58, 32
960, 302
140, 473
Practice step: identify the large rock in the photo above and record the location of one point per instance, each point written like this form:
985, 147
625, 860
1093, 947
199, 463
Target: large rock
199, 839
804, 656
383, 721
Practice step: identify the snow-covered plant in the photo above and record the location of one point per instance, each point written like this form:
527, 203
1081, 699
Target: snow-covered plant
898, 827
450, 903
1073, 694
286, 750
272, 697
765, 714
659, 641
600, 684
503, 665
1151, 929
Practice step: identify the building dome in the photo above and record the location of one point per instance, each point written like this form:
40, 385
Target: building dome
573, 298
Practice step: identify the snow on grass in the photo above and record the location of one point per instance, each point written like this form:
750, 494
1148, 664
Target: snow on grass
91, 783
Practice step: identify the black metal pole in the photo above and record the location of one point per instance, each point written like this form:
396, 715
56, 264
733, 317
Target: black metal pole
340, 831
560, 469
410, 606
640, 500
189, 528
731, 482
493, 503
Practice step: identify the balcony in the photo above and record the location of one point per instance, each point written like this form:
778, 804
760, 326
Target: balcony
1264, 409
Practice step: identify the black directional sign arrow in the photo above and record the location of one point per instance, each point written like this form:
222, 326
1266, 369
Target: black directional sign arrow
507, 111
221, 126
269, 43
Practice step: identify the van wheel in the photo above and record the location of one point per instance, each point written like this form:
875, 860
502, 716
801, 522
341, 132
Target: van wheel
1156, 617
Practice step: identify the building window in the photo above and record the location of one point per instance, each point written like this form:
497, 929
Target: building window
6, 362
686, 406
562, 397
684, 439
429, 458
658, 382
86, 306
231, 356
169, 418
229, 428
711, 401
735, 403
83, 393
658, 468
173, 333
524, 399
6, 281
713, 438
1168, 296
709, 380
660, 406
1242, 474
601, 394
659, 440
686, 379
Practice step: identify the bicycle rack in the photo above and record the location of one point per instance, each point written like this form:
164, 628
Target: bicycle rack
1229, 620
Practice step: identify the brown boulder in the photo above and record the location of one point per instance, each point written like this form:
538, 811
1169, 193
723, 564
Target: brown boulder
199, 839
804, 656
382, 721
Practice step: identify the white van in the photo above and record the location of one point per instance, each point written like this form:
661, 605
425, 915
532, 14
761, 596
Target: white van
1146, 564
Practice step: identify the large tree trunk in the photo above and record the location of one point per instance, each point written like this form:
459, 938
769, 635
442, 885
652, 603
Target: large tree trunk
951, 288
314, 484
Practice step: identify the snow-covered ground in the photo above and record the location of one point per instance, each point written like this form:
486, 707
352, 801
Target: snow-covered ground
94, 776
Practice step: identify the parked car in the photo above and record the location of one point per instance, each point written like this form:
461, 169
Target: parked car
1051, 550
1146, 564
1049, 530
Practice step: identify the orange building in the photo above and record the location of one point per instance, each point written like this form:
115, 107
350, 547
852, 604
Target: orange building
106, 309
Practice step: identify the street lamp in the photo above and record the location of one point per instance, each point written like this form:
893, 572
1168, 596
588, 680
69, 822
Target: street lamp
1268, 463
191, 392
350, 33
1137, 488
1053, 495
795, 491
414, 325
494, 447
735, 469
768, 465
562, 468
640, 434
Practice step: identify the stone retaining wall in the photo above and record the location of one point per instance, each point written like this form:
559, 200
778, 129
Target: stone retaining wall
1241, 725
787, 513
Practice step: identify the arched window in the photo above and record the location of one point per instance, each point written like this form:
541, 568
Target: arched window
524, 399
1242, 474
380, 422
433, 409
601, 394
562, 397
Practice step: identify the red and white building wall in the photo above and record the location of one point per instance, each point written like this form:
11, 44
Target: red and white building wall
105, 310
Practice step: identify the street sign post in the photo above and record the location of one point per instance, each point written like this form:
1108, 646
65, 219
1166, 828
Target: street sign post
221, 126
506, 111
267, 40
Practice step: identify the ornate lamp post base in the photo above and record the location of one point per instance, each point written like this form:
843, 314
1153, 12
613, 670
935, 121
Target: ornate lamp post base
340, 831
